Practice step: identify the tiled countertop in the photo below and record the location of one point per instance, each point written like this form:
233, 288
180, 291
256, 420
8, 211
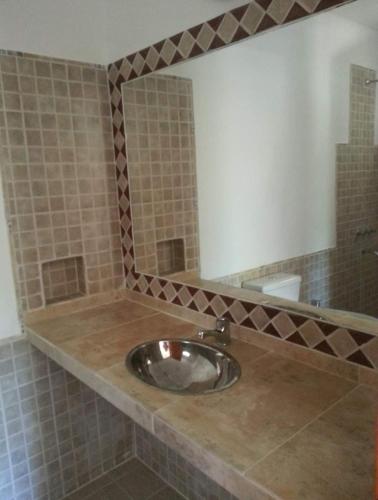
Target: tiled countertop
285, 430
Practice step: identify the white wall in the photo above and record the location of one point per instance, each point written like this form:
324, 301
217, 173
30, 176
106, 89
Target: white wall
135, 24
69, 29
268, 113
9, 323
98, 31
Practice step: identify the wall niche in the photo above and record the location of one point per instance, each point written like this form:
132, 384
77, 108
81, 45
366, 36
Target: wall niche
170, 256
63, 279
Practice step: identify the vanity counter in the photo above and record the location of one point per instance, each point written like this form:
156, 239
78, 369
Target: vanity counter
284, 430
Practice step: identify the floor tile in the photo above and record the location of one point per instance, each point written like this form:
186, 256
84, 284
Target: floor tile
88, 490
110, 492
167, 494
129, 467
141, 485
130, 481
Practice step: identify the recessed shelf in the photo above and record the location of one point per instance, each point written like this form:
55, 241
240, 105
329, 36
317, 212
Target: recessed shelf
170, 256
63, 279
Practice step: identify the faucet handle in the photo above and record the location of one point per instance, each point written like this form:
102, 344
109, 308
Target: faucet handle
223, 327
221, 332
222, 324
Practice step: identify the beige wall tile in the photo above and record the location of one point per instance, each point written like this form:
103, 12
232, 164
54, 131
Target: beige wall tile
52, 175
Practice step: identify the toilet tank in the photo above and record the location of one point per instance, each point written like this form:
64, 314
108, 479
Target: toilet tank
283, 285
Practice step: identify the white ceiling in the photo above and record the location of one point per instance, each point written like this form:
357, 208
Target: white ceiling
362, 12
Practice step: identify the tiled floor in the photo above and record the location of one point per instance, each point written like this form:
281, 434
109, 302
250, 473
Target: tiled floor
130, 481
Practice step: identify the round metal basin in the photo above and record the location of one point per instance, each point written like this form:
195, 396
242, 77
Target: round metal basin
183, 366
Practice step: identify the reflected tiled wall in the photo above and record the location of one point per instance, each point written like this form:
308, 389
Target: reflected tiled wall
58, 170
316, 270
357, 201
162, 167
344, 277
56, 434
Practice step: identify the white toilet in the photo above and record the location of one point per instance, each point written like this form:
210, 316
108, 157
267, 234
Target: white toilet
282, 285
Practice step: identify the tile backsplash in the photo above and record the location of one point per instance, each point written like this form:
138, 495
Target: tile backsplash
58, 172
162, 162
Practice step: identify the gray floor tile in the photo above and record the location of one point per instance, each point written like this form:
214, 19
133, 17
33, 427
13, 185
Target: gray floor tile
130, 467
130, 481
141, 485
167, 494
86, 491
110, 492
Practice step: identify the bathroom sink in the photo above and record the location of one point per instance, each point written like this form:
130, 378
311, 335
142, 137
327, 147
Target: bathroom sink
183, 366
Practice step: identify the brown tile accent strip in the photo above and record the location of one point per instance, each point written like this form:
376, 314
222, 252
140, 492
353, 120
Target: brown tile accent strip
248, 20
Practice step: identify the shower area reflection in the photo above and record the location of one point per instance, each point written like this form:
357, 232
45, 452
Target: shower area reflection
355, 286
344, 276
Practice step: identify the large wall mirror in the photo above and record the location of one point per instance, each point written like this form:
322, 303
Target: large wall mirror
255, 167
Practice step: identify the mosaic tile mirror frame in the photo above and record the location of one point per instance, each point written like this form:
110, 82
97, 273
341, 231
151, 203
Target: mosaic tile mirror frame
355, 345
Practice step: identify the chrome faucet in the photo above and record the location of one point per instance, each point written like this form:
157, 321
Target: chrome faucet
221, 333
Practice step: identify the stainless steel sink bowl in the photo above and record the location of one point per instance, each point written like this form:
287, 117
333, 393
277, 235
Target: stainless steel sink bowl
183, 366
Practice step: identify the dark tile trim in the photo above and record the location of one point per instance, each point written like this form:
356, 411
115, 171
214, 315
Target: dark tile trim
248, 20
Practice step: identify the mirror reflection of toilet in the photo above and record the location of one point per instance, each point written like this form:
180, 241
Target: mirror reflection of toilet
282, 285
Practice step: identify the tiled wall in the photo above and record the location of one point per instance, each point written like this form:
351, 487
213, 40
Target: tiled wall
316, 270
63, 279
170, 256
56, 434
58, 171
160, 140
175, 470
357, 202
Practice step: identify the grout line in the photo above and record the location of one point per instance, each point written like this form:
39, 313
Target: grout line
303, 428
172, 314
82, 486
207, 455
60, 307
287, 355
31, 327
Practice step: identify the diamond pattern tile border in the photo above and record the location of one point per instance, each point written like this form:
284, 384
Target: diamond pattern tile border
242, 22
